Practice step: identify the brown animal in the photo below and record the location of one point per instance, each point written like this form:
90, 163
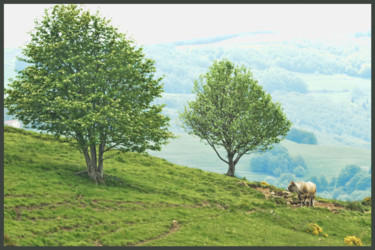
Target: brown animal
304, 190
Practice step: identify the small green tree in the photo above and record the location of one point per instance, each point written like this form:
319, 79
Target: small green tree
89, 84
346, 174
323, 183
232, 111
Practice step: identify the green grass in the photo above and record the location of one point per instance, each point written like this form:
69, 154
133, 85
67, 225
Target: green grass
45, 204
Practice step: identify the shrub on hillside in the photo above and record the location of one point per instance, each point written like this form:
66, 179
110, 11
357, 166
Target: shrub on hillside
352, 241
367, 201
356, 206
263, 183
315, 229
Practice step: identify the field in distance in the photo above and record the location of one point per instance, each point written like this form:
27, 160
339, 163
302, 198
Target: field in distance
188, 150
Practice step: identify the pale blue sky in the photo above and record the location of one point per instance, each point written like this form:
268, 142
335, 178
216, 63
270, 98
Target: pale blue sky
152, 23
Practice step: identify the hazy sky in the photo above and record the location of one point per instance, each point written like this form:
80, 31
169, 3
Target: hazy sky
153, 23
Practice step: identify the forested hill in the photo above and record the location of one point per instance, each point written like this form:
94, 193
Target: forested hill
274, 62
324, 86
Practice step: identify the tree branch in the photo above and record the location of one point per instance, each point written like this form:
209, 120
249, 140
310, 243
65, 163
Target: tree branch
239, 155
109, 148
212, 145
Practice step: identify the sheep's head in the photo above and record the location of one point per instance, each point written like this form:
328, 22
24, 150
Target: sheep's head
292, 186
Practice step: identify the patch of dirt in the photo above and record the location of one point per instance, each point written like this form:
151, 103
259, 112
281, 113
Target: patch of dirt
98, 243
287, 196
221, 207
265, 191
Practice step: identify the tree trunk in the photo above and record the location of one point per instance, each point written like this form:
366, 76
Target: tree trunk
101, 152
231, 165
93, 170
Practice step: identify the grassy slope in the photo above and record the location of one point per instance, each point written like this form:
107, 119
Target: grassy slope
46, 204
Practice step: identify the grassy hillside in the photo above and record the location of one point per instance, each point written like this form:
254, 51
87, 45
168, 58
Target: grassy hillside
148, 201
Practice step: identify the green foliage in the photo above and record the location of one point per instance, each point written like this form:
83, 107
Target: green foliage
353, 178
352, 183
327, 110
272, 63
364, 182
346, 174
301, 136
45, 204
278, 161
330, 114
232, 111
332, 183
88, 82
85, 87
323, 183
278, 79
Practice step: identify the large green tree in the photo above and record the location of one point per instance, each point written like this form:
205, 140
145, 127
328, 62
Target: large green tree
233, 112
88, 83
